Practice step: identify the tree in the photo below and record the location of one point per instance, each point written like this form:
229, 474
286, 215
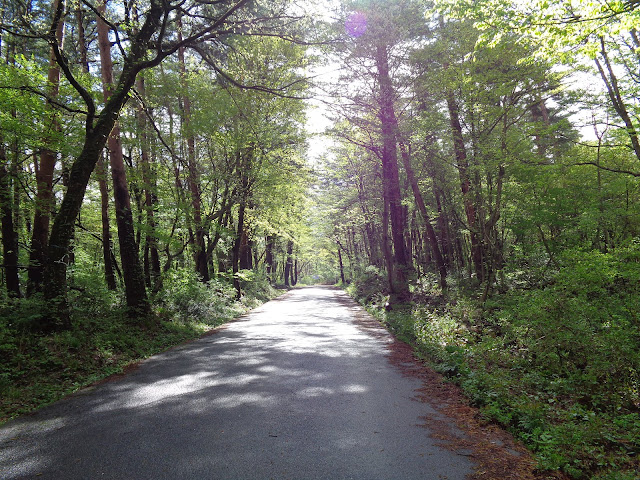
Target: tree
135, 290
377, 36
144, 40
44, 173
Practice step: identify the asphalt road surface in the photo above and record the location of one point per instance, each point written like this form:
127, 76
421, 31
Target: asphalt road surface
293, 390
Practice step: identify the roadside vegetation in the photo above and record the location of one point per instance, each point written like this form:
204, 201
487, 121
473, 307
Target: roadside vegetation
553, 359
482, 178
39, 368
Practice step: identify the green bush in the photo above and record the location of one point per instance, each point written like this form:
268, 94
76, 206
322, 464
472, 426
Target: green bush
371, 286
185, 298
555, 361
38, 368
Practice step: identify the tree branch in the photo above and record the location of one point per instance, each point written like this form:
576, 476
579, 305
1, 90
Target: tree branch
608, 169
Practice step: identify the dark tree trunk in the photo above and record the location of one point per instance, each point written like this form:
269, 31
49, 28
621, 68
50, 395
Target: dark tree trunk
540, 116
374, 257
443, 230
390, 174
268, 260
294, 273
193, 180
341, 266
135, 289
288, 266
152, 265
44, 180
101, 174
107, 247
465, 184
235, 260
9, 235
246, 261
386, 248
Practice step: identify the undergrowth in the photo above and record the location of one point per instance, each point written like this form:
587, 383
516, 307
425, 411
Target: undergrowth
557, 364
37, 369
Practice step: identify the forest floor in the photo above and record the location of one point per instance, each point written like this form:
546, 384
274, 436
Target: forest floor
306, 386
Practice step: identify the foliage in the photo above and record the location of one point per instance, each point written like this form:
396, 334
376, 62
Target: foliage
557, 365
185, 298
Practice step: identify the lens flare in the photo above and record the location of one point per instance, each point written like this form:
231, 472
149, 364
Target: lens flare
356, 24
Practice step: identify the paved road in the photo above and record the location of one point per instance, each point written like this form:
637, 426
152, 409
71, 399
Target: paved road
294, 390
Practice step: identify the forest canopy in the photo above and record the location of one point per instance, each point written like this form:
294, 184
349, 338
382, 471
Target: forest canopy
478, 189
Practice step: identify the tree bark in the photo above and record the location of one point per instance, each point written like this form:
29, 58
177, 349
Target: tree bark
268, 260
288, 266
390, 174
431, 234
246, 261
135, 289
193, 180
152, 267
9, 236
465, 184
341, 266
386, 248
235, 260
44, 178
107, 247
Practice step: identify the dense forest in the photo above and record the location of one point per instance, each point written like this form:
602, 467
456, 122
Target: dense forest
477, 190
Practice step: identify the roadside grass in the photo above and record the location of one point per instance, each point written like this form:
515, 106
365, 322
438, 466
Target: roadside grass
37, 369
557, 365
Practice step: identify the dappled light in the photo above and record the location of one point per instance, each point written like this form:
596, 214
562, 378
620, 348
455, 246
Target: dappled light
294, 386
466, 170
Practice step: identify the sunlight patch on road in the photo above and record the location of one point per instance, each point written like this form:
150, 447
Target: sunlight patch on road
315, 392
354, 388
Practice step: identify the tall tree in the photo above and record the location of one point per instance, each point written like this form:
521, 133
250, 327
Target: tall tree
44, 173
150, 41
135, 289
9, 236
193, 178
377, 39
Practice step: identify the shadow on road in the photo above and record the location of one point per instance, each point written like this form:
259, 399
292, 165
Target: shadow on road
293, 390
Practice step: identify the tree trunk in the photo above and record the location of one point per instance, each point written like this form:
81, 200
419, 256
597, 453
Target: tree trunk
386, 248
44, 179
9, 236
288, 264
294, 273
193, 180
101, 171
431, 234
268, 260
135, 289
235, 260
246, 262
540, 116
152, 267
96, 134
107, 247
465, 184
341, 266
390, 174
